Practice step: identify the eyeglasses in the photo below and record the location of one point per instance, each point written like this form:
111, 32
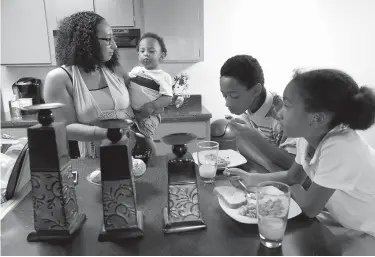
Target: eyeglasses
108, 39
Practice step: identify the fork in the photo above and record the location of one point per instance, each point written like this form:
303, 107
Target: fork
240, 183
245, 188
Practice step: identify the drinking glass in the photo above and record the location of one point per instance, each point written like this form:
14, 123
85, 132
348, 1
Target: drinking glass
273, 200
207, 160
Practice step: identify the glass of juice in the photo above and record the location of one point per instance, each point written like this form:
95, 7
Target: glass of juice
273, 200
207, 160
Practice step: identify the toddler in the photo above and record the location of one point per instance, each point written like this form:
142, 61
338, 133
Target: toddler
150, 87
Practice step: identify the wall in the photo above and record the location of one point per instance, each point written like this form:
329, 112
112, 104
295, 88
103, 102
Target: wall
284, 35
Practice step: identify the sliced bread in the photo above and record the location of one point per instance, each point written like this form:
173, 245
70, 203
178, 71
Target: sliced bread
232, 197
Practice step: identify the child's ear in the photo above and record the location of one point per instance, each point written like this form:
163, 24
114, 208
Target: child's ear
162, 56
258, 89
319, 118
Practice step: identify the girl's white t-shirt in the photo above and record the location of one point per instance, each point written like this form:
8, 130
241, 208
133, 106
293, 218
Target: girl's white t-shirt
345, 162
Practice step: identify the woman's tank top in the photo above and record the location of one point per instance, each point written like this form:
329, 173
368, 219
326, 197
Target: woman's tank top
90, 110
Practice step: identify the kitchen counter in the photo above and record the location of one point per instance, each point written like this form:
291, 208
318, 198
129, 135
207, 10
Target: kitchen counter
27, 121
171, 114
186, 113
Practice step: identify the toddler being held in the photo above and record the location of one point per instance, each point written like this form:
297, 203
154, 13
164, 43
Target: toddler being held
150, 87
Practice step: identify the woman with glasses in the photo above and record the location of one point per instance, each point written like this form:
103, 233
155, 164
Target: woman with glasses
90, 81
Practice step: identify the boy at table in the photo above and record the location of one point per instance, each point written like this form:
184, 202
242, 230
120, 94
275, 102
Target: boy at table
262, 140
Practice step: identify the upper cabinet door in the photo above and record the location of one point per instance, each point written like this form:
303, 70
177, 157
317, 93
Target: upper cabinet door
179, 22
65, 8
116, 12
24, 35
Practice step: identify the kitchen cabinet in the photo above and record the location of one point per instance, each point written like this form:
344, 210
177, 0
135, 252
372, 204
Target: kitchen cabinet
56, 10
27, 26
65, 8
24, 33
27, 36
116, 12
200, 128
180, 23
26, 29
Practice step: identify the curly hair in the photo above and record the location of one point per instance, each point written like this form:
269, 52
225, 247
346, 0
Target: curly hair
158, 38
245, 69
336, 92
77, 42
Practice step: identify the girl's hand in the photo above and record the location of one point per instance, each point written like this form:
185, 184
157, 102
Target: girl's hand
235, 174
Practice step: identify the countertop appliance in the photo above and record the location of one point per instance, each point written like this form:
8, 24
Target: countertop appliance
31, 88
28, 87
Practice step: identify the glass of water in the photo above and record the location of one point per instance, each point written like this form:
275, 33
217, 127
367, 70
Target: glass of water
273, 200
207, 160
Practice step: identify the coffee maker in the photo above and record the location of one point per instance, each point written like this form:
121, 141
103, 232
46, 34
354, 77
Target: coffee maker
28, 88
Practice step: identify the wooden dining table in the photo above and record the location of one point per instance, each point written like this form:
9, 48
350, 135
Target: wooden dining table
223, 235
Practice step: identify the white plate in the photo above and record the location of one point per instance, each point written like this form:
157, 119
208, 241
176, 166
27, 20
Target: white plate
235, 158
136, 162
95, 173
4, 141
294, 210
92, 175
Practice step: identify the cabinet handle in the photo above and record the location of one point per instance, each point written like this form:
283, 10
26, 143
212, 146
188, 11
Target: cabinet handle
157, 141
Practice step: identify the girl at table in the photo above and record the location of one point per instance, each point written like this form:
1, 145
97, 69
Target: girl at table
324, 108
